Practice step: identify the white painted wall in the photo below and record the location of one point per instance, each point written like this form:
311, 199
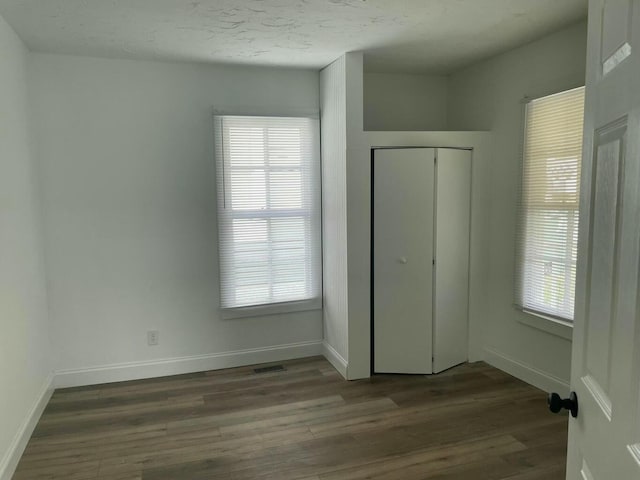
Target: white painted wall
126, 158
25, 368
333, 108
488, 96
405, 102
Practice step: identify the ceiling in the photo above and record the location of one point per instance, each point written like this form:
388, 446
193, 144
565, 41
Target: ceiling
416, 36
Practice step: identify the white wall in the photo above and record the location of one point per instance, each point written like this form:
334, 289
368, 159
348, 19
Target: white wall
333, 107
488, 96
25, 366
405, 102
126, 156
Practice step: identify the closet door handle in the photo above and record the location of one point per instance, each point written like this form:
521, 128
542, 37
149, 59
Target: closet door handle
402, 260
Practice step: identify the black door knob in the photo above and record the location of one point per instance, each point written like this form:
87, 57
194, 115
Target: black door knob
556, 403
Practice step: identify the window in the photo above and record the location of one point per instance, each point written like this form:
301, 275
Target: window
268, 179
548, 214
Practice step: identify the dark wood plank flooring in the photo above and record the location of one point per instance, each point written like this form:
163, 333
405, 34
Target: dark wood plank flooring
472, 422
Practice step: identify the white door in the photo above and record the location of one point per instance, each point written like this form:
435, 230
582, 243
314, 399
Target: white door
451, 288
604, 440
402, 270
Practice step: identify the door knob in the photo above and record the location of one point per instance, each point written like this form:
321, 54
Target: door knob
402, 260
556, 403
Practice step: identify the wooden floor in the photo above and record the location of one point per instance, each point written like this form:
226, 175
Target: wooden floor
472, 422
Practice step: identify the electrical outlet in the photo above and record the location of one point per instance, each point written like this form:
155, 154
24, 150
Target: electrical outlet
153, 337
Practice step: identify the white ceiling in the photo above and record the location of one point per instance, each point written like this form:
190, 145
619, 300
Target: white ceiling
434, 36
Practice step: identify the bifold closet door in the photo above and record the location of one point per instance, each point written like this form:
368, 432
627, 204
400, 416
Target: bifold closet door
403, 237
451, 287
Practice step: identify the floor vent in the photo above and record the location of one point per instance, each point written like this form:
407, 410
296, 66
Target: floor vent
271, 368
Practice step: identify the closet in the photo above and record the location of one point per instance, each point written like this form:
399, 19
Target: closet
421, 206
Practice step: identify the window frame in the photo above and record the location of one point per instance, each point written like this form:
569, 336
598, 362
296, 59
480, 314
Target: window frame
538, 319
273, 308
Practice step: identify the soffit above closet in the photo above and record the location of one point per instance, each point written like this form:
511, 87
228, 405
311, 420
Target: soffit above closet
413, 36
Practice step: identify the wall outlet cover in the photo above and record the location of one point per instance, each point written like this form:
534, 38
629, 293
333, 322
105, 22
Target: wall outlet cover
153, 337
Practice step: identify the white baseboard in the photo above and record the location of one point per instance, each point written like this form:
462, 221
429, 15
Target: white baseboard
176, 366
334, 359
543, 380
12, 456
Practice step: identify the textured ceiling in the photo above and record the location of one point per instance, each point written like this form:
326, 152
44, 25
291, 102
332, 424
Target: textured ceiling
396, 35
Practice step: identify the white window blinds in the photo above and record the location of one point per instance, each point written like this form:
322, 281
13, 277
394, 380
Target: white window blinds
268, 180
548, 215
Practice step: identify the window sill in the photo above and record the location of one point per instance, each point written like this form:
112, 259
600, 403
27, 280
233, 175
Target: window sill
547, 324
272, 309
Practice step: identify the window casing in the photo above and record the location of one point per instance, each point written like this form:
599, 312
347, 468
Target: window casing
547, 238
268, 182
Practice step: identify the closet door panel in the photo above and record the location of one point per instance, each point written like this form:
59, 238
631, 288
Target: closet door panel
451, 292
402, 260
